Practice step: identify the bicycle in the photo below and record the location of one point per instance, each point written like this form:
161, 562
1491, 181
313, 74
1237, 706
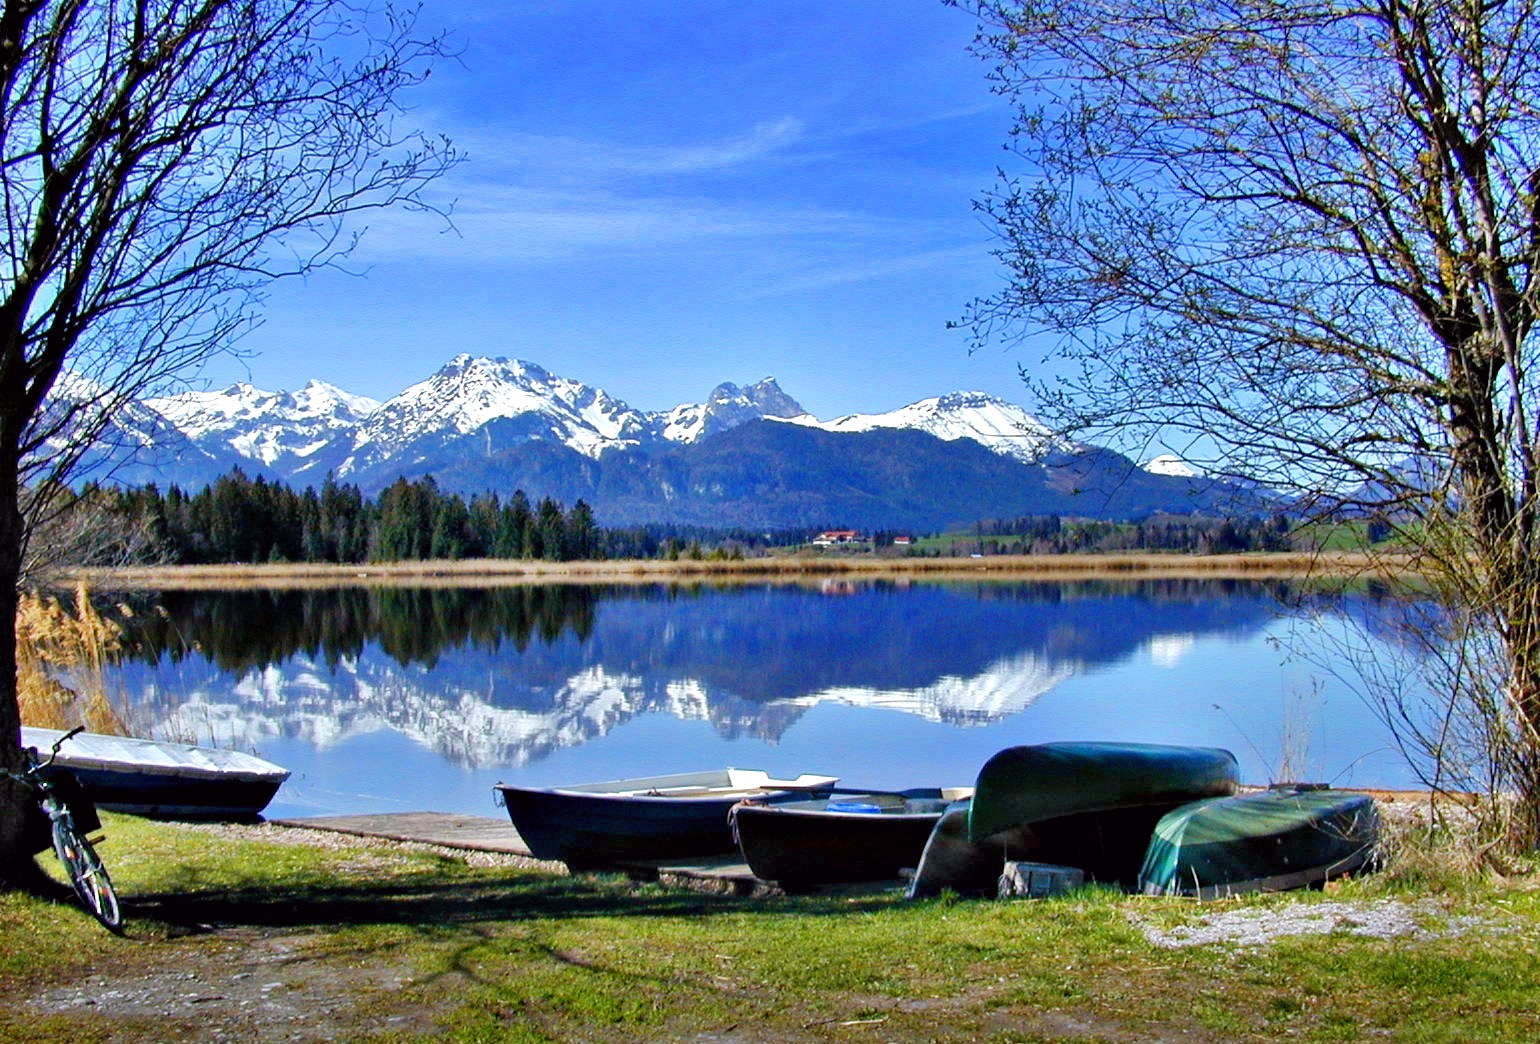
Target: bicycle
81, 864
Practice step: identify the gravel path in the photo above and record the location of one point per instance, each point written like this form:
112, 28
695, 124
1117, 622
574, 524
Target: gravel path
337, 841
1261, 926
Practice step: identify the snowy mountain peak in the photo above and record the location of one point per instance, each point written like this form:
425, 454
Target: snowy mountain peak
480, 418
997, 425
279, 430
199, 412
502, 402
1172, 465
318, 397
766, 396
727, 407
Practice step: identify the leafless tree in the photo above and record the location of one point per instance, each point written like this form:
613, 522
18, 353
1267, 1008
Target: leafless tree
161, 163
1299, 238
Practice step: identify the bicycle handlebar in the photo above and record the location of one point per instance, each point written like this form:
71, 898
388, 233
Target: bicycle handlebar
56, 745
36, 764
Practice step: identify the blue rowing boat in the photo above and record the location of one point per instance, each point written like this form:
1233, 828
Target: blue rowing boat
598, 825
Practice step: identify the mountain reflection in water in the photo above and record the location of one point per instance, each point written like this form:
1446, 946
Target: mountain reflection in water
548, 684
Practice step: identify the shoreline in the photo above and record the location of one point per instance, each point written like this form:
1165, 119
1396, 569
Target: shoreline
490, 572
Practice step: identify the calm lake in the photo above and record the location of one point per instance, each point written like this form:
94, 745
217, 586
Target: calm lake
397, 699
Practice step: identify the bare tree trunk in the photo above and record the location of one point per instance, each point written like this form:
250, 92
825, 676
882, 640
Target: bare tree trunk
125, 261
1522, 734
17, 866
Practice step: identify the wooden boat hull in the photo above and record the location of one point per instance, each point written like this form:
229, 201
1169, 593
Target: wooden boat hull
165, 780
845, 838
1269, 841
598, 825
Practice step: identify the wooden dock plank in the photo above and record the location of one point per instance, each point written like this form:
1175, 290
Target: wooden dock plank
452, 830
723, 868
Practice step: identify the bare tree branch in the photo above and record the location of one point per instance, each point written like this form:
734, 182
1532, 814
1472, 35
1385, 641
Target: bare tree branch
1303, 234
161, 162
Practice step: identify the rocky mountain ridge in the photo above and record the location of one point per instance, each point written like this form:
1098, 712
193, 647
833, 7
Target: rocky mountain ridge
745, 456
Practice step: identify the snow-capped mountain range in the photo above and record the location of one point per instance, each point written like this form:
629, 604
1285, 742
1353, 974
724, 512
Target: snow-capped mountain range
495, 424
283, 431
328, 705
294, 432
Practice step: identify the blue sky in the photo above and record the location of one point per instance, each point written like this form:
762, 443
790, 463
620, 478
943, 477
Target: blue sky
662, 195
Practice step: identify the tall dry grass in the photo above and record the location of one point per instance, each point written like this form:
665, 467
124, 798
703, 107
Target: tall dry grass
772, 569
55, 645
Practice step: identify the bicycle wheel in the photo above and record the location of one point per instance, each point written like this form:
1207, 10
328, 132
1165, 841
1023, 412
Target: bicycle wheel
87, 874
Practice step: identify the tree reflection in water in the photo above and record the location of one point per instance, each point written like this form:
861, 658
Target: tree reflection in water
511, 675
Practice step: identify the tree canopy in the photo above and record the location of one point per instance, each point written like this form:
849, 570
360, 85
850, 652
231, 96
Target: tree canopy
161, 162
1297, 241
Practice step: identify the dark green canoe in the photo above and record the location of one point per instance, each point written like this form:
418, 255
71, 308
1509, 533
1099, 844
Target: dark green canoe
1268, 841
1091, 806
950, 862
1029, 785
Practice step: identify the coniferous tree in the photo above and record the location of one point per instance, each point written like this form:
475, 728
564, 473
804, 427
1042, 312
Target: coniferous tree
486, 512
581, 538
516, 535
551, 526
451, 528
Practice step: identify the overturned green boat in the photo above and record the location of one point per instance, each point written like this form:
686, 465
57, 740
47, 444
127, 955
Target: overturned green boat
1045, 781
1091, 805
1088, 805
1269, 841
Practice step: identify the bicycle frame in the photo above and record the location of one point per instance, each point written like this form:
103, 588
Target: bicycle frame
81, 864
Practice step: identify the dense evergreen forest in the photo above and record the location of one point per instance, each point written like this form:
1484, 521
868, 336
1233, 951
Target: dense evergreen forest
244, 519
1050, 534
240, 519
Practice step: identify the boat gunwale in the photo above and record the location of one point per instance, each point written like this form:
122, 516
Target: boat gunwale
181, 772
240, 767
1272, 883
885, 814
808, 782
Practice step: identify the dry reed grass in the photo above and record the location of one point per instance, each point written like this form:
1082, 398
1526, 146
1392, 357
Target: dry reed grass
52, 642
487, 572
1443, 842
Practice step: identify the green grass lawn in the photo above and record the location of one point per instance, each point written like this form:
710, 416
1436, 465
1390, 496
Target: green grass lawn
261, 939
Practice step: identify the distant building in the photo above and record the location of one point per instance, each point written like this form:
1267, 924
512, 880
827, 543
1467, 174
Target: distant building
831, 537
903, 541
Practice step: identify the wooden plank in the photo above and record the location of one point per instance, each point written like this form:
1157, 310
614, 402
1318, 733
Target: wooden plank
1024, 880
452, 830
725, 868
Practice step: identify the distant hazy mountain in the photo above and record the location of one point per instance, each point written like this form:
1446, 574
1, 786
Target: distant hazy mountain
745, 456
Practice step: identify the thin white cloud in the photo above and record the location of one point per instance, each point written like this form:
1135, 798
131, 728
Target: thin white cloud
833, 273
525, 199
506, 224
542, 156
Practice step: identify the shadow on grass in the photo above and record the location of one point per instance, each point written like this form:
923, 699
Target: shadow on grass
429, 899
